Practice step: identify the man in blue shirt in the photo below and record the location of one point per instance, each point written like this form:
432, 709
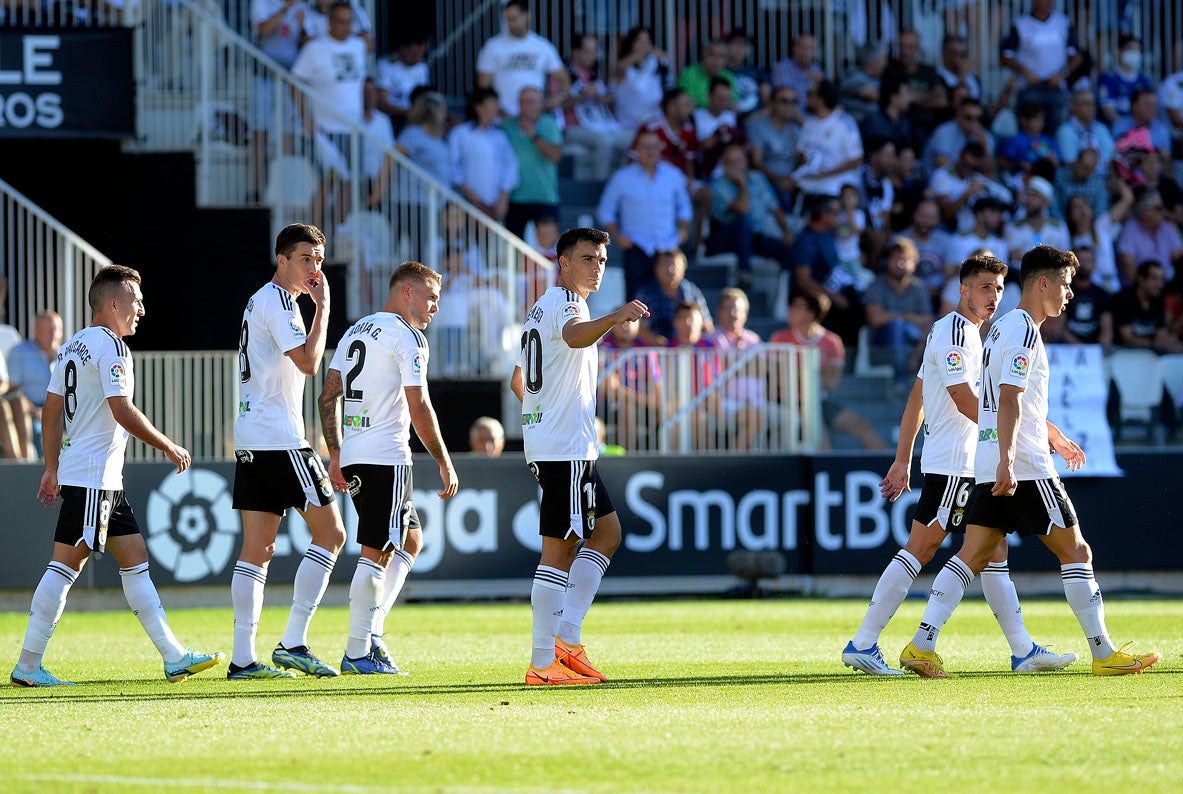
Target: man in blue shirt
663, 293
742, 201
30, 364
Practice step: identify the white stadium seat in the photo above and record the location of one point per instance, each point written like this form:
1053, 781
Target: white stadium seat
1138, 377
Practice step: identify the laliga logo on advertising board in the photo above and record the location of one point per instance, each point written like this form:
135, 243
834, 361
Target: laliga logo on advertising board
192, 526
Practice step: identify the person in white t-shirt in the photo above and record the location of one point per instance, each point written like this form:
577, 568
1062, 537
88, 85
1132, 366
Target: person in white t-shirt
555, 379
275, 466
399, 75
380, 368
944, 402
318, 21
520, 58
1017, 489
87, 418
830, 146
277, 25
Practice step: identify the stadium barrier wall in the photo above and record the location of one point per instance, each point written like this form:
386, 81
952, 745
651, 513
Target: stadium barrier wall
681, 517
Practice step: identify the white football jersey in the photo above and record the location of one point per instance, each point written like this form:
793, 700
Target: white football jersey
94, 365
558, 412
271, 386
1014, 354
952, 355
377, 357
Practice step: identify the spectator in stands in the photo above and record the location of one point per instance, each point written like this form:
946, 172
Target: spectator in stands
1088, 319
1154, 178
806, 312
926, 88
1170, 99
744, 396
1019, 153
1036, 227
1087, 229
830, 146
1117, 87
663, 293
910, 186
818, 271
689, 335
1082, 131
891, 121
717, 127
1041, 49
424, 141
955, 69
30, 365
643, 75
484, 167
10, 442
400, 74
674, 127
899, 312
646, 209
772, 140
632, 389
800, 72
587, 111
486, 437
538, 146
318, 21
957, 187
520, 58
1081, 178
985, 234
850, 231
950, 138
277, 25
742, 204
334, 68
752, 86
1139, 312
860, 87
377, 141
1149, 237
877, 193
698, 79
932, 243
1144, 116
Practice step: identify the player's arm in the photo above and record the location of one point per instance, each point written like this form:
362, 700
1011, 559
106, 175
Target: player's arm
51, 443
896, 481
307, 357
966, 401
1069, 450
515, 384
1009, 413
133, 421
585, 333
427, 427
329, 406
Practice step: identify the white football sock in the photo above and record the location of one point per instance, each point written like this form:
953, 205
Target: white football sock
890, 592
365, 595
947, 591
546, 601
246, 593
1003, 599
312, 577
145, 602
1084, 596
583, 582
396, 576
49, 601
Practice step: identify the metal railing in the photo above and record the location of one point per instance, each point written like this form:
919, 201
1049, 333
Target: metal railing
47, 265
759, 400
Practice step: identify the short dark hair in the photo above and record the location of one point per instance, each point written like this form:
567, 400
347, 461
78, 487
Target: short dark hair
630, 39
670, 96
974, 149
1044, 260
1134, 97
1029, 110
819, 305
476, 97
720, 81
818, 205
981, 263
106, 281
295, 233
736, 34
520, 5
828, 93
582, 234
1144, 269
687, 306
412, 270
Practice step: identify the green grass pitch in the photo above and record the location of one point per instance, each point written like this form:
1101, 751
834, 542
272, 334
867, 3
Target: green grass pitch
703, 696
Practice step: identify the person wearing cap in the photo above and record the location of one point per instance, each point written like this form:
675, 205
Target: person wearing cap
958, 186
1036, 227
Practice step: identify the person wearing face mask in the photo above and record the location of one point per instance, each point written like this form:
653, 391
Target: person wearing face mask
1118, 86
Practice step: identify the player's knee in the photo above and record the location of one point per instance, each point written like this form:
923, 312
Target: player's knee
414, 542
331, 537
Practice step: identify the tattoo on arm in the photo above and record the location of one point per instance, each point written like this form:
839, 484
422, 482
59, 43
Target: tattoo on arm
330, 419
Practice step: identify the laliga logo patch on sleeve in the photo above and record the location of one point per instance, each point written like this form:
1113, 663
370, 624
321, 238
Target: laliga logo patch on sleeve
570, 311
297, 329
118, 374
417, 363
953, 363
1018, 366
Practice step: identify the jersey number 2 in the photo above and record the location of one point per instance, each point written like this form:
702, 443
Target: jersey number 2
356, 351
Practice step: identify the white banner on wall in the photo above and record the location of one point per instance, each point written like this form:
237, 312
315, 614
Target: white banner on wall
1077, 396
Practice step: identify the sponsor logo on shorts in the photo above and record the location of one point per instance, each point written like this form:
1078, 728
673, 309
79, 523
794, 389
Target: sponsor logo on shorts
244, 455
355, 485
954, 364
1018, 366
591, 520
987, 435
118, 374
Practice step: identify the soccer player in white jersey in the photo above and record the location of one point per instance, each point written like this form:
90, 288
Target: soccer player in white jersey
555, 379
1017, 488
89, 405
380, 368
944, 400
276, 468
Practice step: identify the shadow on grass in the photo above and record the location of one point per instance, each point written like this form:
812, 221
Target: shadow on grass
200, 689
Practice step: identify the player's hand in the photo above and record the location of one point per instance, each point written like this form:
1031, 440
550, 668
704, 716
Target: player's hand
450, 480
179, 456
47, 492
896, 481
631, 312
1005, 482
318, 287
1070, 451
337, 478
